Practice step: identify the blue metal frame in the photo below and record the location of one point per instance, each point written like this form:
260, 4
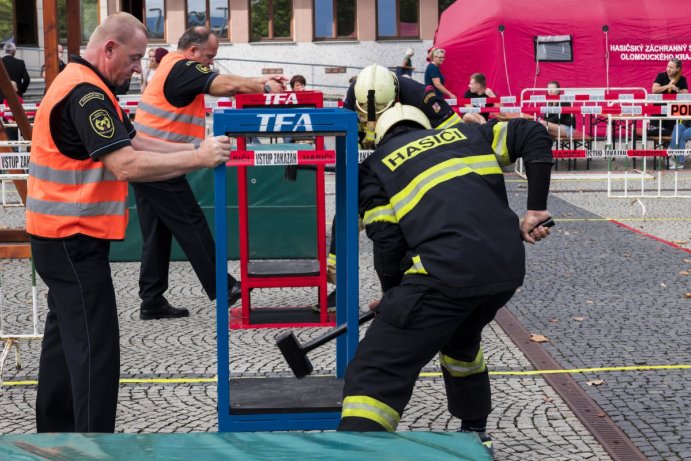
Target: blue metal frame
250, 122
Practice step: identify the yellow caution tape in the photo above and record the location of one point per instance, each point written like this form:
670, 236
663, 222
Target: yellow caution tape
576, 370
431, 374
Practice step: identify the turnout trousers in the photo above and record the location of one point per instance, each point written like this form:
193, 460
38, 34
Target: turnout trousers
413, 323
79, 365
169, 209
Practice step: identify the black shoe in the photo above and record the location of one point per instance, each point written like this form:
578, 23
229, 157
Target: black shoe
485, 439
165, 312
234, 294
330, 303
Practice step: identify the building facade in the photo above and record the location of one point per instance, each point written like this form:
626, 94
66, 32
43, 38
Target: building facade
326, 41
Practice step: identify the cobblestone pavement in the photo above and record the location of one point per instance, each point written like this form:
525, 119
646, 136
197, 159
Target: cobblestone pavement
608, 297
604, 274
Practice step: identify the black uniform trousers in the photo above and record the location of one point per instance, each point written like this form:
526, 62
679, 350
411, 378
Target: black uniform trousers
413, 323
79, 366
166, 209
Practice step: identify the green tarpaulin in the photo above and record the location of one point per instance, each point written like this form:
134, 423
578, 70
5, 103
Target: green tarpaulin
273, 446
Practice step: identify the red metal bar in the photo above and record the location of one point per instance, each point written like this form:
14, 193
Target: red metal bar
242, 158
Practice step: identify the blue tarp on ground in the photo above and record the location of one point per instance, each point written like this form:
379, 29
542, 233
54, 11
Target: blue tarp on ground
274, 446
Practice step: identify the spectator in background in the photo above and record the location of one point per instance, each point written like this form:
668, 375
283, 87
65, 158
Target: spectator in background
430, 51
61, 63
155, 56
558, 125
434, 77
406, 68
298, 83
477, 88
21, 100
12, 131
16, 69
670, 82
680, 136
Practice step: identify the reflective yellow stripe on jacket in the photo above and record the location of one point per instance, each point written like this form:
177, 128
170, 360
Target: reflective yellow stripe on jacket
450, 121
417, 267
405, 200
460, 369
384, 213
499, 146
361, 406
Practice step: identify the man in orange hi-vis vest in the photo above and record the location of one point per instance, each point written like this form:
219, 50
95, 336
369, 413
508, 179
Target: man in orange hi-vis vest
172, 108
84, 152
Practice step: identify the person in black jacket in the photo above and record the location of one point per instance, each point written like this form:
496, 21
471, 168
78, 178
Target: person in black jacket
16, 69
386, 89
449, 254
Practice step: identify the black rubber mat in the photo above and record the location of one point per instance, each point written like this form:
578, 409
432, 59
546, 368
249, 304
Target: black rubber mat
285, 395
282, 267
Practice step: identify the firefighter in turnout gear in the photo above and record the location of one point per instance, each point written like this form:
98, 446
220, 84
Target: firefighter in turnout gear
449, 253
375, 90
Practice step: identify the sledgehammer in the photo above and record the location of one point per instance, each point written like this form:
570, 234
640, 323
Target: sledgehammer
296, 355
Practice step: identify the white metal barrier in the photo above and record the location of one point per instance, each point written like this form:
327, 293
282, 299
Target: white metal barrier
634, 181
13, 161
12, 340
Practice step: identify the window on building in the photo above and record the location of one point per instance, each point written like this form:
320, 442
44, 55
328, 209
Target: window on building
90, 17
398, 19
444, 4
209, 13
271, 20
555, 48
18, 22
334, 19
155, 18
6, 21
151, 12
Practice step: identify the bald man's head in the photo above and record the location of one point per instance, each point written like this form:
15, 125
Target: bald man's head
199, 44
121, 27
116, 47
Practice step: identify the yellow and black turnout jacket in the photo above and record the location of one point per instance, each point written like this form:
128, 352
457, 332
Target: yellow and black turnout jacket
434, 204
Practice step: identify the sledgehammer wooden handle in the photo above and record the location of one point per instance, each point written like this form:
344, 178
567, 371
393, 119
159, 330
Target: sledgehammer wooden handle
336, 332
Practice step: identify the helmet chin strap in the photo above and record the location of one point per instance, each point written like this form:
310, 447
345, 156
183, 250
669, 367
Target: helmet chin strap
371, 109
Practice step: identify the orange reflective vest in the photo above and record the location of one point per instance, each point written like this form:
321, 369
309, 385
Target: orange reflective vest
67, 196
157, 118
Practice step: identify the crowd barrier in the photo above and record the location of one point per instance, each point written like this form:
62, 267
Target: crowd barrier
608, 120
12, 340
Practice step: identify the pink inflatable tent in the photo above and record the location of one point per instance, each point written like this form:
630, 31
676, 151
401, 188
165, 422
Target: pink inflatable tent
581, 43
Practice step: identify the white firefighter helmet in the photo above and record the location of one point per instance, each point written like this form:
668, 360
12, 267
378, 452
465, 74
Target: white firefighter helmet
397, 114
382, 82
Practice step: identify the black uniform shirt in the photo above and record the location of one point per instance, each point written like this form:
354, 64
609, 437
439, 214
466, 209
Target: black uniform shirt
662, 79
470, 95
85, 123
186, 81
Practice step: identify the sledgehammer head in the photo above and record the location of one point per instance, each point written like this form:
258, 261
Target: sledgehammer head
294, 354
